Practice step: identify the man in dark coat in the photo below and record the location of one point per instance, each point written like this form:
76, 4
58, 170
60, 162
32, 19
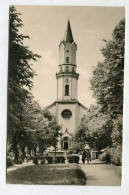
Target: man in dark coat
88, 156
83, 156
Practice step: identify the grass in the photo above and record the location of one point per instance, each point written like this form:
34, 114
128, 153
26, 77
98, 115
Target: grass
61, 174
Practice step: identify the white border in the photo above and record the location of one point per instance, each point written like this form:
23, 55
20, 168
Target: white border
24, 189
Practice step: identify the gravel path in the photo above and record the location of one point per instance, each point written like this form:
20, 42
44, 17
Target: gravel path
17, 166
101, 174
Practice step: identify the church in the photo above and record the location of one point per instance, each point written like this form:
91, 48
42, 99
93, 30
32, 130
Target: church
67, 109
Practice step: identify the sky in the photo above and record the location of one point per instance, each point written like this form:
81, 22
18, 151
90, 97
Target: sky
46, 27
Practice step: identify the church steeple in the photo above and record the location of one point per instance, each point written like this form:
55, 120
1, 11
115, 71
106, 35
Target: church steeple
67, 77
68, 37
67, 48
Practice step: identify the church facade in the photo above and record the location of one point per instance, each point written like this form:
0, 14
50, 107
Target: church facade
67, 109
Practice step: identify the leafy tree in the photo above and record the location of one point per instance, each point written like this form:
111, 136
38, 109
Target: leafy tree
39, 130
20, 75
53, 130
54, 133
95, 129
107, 80
102, 126
117, 132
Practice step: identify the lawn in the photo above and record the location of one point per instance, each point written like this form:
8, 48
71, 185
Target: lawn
61, 174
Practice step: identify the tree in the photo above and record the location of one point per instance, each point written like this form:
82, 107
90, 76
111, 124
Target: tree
117, 132
95, 129
107, 80
107, 84
20, 75
54, 130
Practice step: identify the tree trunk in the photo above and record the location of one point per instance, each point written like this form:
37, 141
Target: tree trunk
16, 153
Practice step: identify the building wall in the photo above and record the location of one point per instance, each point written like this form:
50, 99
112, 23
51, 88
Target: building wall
66, 123
71, 124
61, 54
67, 97
60, 88
72, 88
71, 54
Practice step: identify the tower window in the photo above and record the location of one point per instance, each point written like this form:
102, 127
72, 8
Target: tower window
67, 69
66, 89
67, 59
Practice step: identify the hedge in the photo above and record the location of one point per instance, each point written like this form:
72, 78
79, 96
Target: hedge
112, 155
9, 162
59, 159
73, 158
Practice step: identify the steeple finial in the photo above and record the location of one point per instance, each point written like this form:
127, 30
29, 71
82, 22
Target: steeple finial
68, 37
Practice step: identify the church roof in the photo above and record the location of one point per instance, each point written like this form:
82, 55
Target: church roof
66, 102
68, 37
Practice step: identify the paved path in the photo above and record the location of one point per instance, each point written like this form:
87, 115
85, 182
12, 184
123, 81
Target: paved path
101, 174
17, 166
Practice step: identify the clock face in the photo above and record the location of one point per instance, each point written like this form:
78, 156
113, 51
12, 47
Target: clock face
66, 114
67, 80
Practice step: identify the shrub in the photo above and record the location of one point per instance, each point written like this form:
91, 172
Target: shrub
41, 157
35, 161
113, 155
59, 159
49, 159
19, 161
73, 151
42, 161
73, 158
116, 155
105, 156
70, 151
28, 158
9, 162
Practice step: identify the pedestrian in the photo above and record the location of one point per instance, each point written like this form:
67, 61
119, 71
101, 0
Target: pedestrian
88, 156
83, 156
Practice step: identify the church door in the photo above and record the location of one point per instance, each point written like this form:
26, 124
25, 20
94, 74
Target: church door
65, 143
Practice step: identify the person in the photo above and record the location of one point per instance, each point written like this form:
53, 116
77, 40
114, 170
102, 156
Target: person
88, 156
83, 156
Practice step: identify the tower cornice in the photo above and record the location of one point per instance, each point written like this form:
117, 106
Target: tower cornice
65, 42
68, 64
63, 74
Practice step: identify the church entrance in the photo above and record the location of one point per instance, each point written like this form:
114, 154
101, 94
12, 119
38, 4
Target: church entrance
65, 143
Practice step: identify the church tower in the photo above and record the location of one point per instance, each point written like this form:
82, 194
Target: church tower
67, 109
67, 78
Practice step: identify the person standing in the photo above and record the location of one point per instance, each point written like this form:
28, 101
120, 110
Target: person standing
88, 156
83, 156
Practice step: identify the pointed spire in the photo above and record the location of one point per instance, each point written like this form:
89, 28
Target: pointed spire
68, 37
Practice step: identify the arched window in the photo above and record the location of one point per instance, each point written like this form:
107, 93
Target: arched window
67, 69
67, 59
66, 89
66, 143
